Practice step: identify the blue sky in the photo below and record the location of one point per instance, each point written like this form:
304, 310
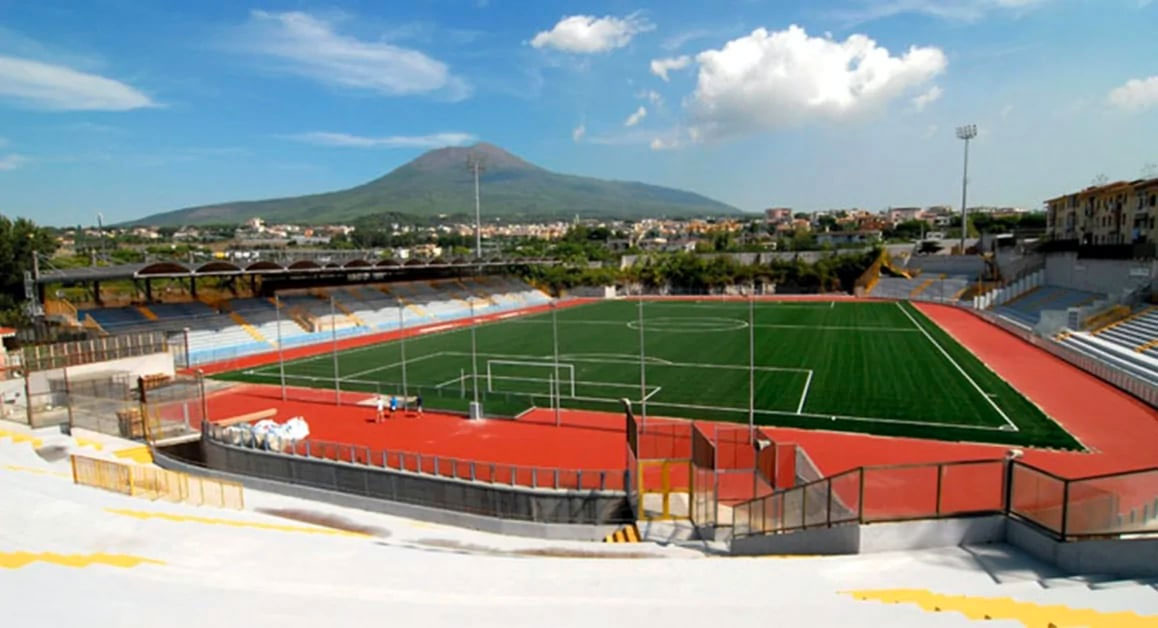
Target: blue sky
129, 108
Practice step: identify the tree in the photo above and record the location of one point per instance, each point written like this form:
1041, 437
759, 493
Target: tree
19, 241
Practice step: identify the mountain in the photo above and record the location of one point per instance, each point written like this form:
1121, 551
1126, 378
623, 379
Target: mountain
439, 182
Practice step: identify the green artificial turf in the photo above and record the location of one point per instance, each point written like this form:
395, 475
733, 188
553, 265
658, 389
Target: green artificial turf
882, 368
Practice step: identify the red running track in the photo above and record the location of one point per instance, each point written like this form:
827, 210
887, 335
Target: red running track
1118, 430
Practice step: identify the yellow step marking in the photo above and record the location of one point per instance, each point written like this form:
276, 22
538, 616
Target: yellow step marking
88, 442
140, 514
18, 437
139, 454
357, 320
16, 560
1129, 318
38, 471
146, 312
1028, 613
249, 329
921, 288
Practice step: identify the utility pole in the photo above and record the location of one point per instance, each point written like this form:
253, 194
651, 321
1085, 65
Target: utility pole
967, 132
475, 164
101, 232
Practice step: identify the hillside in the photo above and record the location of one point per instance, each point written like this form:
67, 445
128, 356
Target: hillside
438, 182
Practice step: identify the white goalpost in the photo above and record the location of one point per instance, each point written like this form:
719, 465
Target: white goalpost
521, 374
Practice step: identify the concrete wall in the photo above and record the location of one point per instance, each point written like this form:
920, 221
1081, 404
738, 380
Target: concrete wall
575, 532
924, 534
492, 507
1135, 558
1107, 276
841, 539
876, 537
1127, 558
968, 265
135, 366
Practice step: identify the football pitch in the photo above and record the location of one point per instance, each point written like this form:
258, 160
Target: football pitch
875, 367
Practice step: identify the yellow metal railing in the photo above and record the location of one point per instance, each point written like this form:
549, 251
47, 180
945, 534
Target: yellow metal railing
153, 483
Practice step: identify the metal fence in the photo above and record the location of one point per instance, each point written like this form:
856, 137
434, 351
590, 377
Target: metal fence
64, 354
1103, 505
153, 483
1107, 505
432, 482
878, 494
439, 466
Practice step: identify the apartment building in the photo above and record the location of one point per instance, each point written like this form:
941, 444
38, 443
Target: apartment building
1122, 212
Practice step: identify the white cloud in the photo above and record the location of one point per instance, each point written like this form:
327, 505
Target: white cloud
958, 10
587, 34
56, 87
636, 116
651, 96
769, 80
1136, 94
927, 98
930, 131
659, 143
12, 162
660, 67
435, 140
578, 132
1005, 111
306, 45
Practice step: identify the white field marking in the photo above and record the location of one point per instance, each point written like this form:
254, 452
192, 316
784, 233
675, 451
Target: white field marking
689, 324
516, 378
733, 304
392, 365
551, 365
832, 305
984, 395
652, 393
804, 394
452, 381
615, 358
687, 406
840, 417
698, 365
867, 328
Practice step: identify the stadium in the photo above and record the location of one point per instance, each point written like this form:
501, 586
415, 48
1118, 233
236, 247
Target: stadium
923, 412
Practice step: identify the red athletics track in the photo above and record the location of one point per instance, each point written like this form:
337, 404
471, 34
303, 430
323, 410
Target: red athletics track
1118, 429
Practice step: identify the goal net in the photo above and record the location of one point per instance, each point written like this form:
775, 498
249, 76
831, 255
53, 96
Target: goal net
530, 377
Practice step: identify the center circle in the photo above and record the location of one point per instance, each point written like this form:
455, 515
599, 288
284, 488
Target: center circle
684, 324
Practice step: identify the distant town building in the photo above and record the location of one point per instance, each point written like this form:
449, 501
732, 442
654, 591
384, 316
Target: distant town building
1116, 213
776, 215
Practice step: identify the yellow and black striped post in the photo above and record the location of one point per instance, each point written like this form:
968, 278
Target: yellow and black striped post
626, 534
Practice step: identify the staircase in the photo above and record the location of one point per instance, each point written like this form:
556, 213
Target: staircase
924, 286
249, 329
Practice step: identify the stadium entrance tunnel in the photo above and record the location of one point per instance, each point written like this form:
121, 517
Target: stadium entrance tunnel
685, 324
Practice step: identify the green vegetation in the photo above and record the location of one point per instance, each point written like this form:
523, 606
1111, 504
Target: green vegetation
881, 368
694, 273
18, 240
438, 183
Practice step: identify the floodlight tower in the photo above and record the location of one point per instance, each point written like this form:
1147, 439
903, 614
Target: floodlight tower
475, 164
967, 132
